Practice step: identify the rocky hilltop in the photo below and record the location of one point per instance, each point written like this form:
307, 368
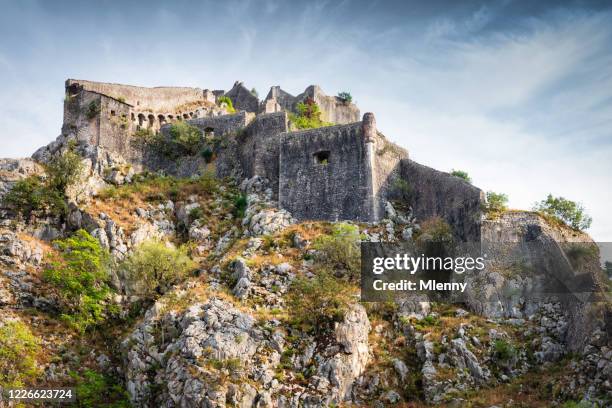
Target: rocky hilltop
186, 247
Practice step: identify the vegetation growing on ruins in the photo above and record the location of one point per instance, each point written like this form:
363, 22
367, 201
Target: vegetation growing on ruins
462, 175
496, 203
93, 109
564, 211
81, 275
345, 96
308, 116
229, 106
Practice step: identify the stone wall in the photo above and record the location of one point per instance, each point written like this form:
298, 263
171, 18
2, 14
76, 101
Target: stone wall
276, 96
333, 109
260, 147
255, 150
324, 174
98, 121
385, 163
223, 125
151, 108
158, 99
242, 98
435, 193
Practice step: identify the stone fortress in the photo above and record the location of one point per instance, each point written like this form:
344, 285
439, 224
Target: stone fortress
346, 171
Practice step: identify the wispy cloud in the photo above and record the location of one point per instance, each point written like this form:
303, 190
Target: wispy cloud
520, 97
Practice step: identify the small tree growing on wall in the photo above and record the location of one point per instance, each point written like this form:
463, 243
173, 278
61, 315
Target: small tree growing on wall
345, 96
462, 175
566, 211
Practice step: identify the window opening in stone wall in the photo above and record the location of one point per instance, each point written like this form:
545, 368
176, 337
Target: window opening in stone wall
322, 157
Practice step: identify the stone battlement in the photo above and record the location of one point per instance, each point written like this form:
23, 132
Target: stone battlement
346, 171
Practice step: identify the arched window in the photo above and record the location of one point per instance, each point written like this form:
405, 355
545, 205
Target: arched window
141, 119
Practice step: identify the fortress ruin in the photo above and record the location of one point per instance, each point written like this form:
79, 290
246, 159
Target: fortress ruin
347, 171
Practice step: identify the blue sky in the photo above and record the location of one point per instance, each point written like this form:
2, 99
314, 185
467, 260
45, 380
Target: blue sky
519, 94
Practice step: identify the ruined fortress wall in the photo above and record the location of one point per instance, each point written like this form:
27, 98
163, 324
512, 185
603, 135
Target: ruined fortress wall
109, 128
158, 99
435, 193
260, 147
223, 125
332, 108
324, 174
242, 98
115, 126
284, 99
386, 170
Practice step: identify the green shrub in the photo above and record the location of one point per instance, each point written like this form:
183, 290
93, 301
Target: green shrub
565, 211
308, 116
81, 275
462, 175
208, 182
64, 170
345, 96
228, 102
31, 196
401, 189
186, 137
240, 205
340, 251
207, 154
318, 302
19, 349
154, 267
496, 202
96, 390
143, 133
503, 350
435, 229
435, 238
34, 195
93, 109
196, 213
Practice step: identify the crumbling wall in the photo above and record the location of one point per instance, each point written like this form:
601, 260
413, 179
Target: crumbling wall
438, 194
158, 99
152, 108
277, 99
222, 125
333, 109
242, 98
324, 174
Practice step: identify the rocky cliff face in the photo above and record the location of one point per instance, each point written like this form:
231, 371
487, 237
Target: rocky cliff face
227, 334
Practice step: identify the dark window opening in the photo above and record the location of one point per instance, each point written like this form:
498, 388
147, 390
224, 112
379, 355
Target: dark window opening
112, 113
322, 157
